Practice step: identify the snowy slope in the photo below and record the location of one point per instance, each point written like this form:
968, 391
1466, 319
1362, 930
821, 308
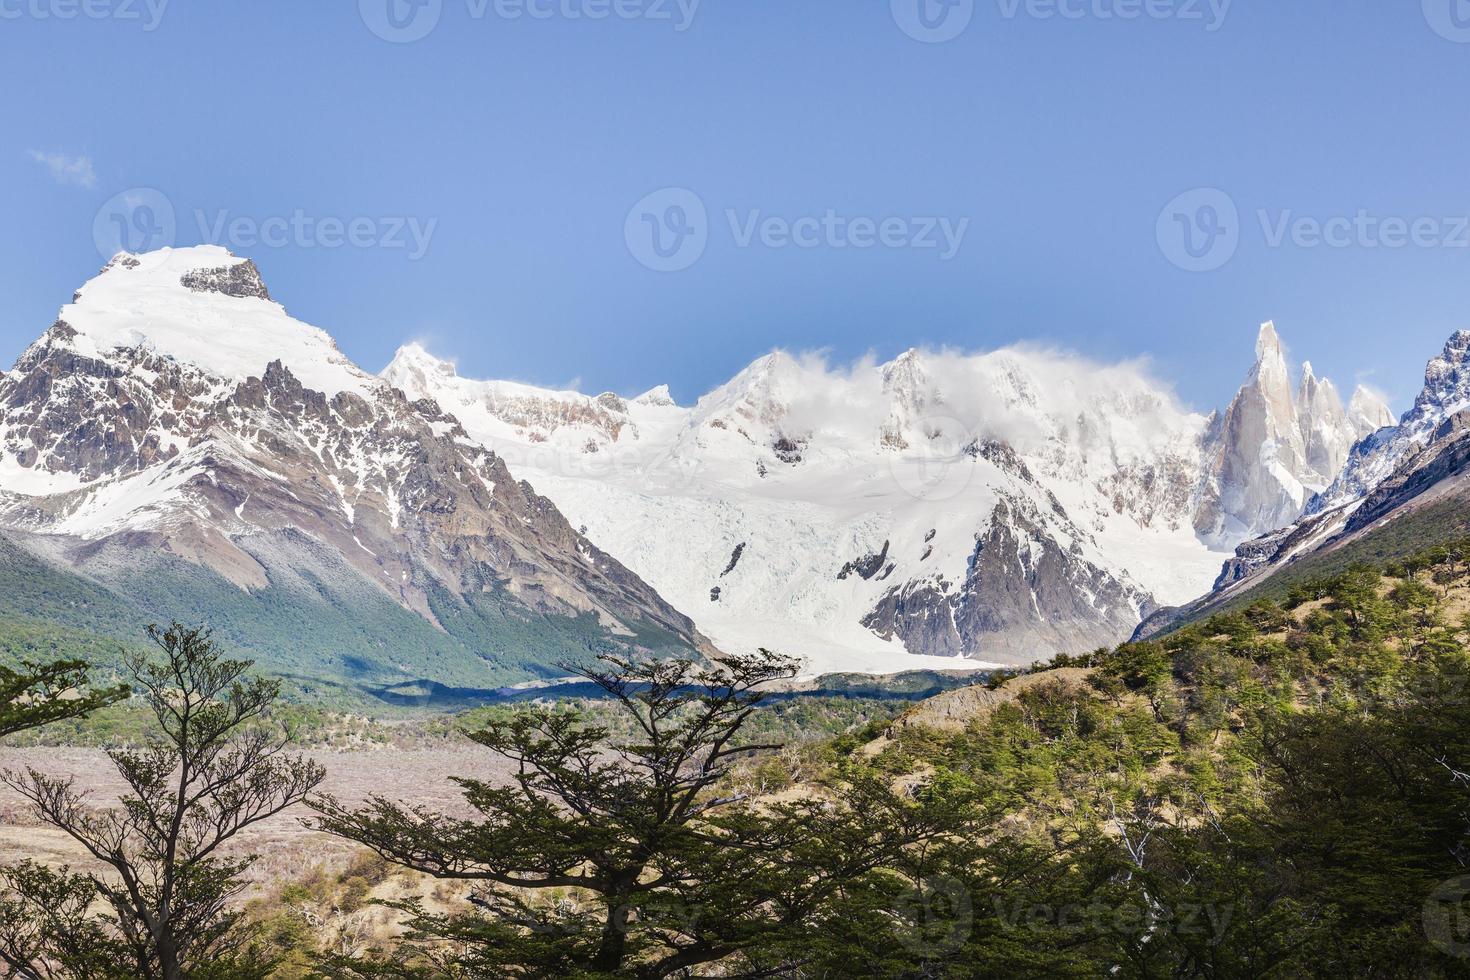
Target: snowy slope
225, 323
746, 509
1446, 392
941, 509
999, 506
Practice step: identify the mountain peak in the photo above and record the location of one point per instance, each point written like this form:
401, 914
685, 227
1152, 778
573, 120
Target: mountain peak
1456, 352
1368, 411
658, 397
1274, 449
169, 263
1268, 344
1446, 393
1270, 373
415, 356
202, 306
1447, 377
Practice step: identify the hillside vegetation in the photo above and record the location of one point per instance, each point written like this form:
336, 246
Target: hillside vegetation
1283, 789
327, 651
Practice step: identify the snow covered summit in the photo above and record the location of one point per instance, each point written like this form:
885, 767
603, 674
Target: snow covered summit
178, 441
207, 307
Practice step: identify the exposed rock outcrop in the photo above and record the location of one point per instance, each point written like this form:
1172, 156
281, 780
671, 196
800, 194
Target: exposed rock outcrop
1271, 450
150, 446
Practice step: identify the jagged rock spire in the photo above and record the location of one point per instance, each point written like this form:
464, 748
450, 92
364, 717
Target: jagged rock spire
1274, 449
1368, 412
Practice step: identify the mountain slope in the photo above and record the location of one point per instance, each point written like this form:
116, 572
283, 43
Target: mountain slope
999, 507
175, 413
176, 438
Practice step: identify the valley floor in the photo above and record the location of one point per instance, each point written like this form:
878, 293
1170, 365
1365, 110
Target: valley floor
288, 848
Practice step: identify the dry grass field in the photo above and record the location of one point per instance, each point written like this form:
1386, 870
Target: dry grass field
288, 849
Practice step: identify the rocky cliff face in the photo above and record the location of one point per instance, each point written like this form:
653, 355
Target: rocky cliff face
1022, 594
1446, 392
1387, 468
1273, 450
123, 426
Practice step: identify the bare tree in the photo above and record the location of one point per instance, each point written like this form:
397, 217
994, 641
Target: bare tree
216, 765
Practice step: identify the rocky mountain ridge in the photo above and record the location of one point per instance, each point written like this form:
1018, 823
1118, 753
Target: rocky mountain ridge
1273, 449
993, 507
940, 508
175, 409
1392, 470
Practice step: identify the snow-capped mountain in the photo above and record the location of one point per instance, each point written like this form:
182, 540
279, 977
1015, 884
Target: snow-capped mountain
1390, 466
1273, 450
176, 413
1446, 392
848, 515
178, 439
1000, 507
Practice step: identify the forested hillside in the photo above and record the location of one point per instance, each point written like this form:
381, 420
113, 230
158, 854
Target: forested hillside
1281, 790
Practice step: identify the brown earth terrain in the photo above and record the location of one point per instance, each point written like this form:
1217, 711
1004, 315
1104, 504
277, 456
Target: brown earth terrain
287, 847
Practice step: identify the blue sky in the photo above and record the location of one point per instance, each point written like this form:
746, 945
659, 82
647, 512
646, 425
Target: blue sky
519, 147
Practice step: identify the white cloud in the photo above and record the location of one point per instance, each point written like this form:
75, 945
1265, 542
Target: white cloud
67, 169
1026, 396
